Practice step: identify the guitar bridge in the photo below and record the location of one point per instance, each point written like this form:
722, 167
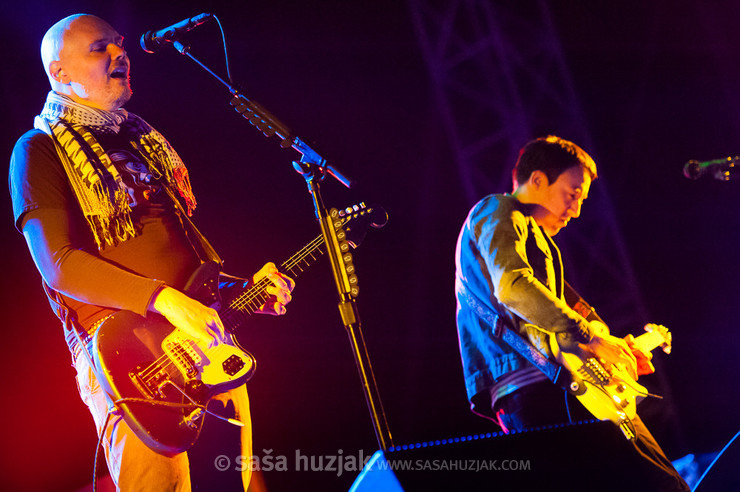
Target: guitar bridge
594, 372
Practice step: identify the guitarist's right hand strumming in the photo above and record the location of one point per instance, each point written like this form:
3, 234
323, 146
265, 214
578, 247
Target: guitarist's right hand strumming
185, 313
612, 350
202, 322
604, 373
606, 348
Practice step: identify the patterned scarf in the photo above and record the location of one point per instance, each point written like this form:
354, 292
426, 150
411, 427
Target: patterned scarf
95, 181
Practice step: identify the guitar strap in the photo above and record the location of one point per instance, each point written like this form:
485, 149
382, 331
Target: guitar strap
552, 370
201, 246
578, 304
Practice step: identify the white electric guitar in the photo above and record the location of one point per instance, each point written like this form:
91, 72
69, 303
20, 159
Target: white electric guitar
607, 390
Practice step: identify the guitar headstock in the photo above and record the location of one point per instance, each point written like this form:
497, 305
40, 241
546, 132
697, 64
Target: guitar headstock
665, 338
355, 220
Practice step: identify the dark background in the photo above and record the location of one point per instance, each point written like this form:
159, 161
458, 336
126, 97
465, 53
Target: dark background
657, 84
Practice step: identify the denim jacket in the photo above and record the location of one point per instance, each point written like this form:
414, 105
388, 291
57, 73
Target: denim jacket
509, 265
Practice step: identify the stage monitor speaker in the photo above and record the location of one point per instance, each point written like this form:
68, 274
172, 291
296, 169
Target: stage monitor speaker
584, 456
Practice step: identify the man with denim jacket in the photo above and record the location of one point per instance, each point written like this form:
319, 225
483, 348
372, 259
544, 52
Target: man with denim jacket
507, 262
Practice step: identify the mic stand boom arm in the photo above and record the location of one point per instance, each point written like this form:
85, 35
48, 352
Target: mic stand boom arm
314, 168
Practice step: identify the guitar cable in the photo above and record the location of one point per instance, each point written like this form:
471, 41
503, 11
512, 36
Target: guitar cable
109, 414
117, 403
193, 403
97, 450
86, 353
643, 393
567, 408
235, 422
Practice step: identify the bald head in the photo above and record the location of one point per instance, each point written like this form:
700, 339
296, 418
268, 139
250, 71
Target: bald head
84, 58
51, 45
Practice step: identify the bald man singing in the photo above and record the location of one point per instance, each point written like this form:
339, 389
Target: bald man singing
101, 198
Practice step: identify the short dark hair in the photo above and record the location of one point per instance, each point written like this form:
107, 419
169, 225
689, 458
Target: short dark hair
552, 155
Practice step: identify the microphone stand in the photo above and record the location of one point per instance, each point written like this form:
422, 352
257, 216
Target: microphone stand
314, 168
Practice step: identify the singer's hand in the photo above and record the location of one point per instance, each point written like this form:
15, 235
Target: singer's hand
279, 291
187, 314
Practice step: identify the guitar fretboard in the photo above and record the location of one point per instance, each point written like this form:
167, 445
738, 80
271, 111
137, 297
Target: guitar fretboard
255, 296
652, 339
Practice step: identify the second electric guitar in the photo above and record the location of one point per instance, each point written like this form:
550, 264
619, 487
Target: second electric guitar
608, 391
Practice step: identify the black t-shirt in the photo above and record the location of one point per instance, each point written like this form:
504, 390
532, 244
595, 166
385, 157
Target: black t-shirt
124, 276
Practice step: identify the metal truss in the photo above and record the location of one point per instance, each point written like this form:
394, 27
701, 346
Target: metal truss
500, 78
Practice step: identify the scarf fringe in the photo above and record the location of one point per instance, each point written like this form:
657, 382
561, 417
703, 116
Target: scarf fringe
95, 181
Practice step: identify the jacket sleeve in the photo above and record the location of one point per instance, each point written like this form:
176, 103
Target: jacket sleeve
502, 238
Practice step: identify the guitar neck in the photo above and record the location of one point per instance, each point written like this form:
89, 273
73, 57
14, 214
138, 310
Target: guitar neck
255, 296
650, 340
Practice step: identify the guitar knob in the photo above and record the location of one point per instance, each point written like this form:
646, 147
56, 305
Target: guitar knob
620, 388
623, 403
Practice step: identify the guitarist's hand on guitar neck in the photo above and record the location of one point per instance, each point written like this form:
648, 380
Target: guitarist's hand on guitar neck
189, 315
644, 366
604, 371
279, 291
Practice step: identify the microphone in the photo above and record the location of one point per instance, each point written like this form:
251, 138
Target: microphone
151, 41
717, 168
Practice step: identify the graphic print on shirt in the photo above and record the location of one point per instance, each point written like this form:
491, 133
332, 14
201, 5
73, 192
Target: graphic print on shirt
139, 183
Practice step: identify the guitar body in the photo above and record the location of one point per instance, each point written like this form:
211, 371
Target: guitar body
160, 378
608, 391
608, 394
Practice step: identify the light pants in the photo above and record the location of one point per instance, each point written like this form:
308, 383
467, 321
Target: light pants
132, 465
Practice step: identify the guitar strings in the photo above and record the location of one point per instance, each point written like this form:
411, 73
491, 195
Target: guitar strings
245, 300
256, 293
158, 366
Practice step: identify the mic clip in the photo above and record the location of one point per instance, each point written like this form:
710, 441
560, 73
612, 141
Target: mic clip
720, 169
